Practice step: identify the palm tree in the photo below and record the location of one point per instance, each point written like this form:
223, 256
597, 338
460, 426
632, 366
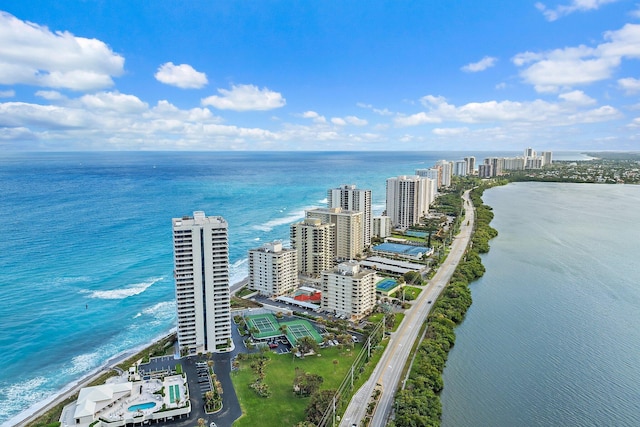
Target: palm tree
201, 422
294, 350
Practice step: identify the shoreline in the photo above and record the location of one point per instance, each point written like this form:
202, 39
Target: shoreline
34, 411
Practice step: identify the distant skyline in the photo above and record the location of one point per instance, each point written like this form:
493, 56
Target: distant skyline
330, 75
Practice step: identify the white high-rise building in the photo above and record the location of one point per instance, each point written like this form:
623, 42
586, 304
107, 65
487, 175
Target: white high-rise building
273, 270
201, 262
434, 174
382, 226
513, 163
471, 165
348, 230
350, 198
446, 168
460, 168
349, 290
407, 200
548, 157
314, 243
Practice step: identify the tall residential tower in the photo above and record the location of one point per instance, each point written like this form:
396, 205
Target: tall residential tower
201, 262
350, 198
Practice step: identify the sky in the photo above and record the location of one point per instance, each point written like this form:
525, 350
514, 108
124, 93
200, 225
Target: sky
319, 75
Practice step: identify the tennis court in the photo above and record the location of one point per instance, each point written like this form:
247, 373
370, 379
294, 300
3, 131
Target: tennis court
297, 329
266, 325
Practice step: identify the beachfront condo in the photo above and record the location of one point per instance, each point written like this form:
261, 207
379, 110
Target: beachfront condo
201, 271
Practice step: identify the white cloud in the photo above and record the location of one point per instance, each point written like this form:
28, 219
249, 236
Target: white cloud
245, 98
570, 111
351, 120
450, 131
581, 65
114, 101
317, 118
183, 76
356, 121
50, 95
416, 119
629, 85
501, 85
577, 97
574, 6
7, 93
483, 64
78, 63
381, 112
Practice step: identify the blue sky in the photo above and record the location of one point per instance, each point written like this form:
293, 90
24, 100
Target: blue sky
319, 75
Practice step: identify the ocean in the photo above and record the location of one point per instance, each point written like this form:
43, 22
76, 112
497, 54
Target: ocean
86, 253
552, 337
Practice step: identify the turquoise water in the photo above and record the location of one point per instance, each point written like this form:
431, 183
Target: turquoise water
142, 406
386, 285
85, 243
85, 246
552, 337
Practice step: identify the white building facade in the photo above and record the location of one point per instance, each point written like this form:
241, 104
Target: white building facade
408, 199
201, 271
382, 226
350, 198
349, 290
273, 270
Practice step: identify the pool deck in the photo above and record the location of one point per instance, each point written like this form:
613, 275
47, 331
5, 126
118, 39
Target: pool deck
116, 410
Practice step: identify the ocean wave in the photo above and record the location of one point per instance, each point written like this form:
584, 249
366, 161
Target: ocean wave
323, 201
83, 363
131, 290
163, 310
291, 218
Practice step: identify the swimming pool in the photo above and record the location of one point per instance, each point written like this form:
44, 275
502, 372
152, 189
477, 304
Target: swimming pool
141, 406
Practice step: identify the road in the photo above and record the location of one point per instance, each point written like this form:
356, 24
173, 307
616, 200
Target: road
389, 370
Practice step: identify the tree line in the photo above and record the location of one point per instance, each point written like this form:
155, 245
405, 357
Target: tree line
418, 404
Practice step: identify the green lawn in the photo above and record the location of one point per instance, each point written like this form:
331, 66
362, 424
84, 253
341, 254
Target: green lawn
398, 320
375, 318
283, 408
410, 293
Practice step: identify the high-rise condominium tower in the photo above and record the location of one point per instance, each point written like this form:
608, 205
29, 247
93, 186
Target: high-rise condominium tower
201, 261
314, 243
408, 200
347, 240
350, 198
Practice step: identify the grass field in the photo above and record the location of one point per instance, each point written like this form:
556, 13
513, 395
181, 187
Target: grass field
283, 408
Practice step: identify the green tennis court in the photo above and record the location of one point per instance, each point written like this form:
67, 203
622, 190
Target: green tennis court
266, 325
297, 329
